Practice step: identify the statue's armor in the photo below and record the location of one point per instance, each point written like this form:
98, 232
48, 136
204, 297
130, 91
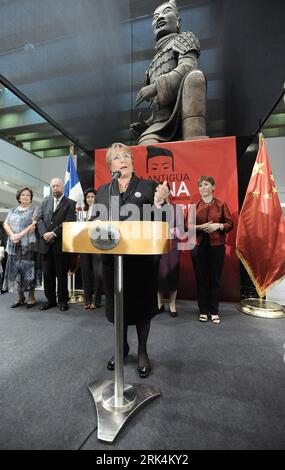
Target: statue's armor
166, 58
170, 52
178, 109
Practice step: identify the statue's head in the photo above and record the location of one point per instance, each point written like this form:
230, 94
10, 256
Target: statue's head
166, 20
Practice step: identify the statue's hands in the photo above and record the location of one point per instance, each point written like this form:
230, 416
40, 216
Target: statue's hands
139, 127
146, 93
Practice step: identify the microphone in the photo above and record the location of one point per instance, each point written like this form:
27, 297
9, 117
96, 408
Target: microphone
116, 174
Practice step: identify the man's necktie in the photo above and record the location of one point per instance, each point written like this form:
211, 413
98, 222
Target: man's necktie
56, 202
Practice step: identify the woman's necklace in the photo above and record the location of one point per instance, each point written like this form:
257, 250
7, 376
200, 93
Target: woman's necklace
208, 202
123, 187
23, 208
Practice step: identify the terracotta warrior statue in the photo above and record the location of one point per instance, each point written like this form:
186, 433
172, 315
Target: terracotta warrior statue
174, 86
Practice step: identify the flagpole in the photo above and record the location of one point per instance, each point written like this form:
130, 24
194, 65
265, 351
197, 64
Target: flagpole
76, 295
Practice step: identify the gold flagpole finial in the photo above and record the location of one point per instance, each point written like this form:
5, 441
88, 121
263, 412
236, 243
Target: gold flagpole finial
71, 150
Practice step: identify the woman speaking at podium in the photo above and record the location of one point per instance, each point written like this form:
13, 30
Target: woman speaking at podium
140, 271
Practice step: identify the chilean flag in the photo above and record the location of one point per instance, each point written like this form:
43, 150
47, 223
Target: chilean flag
72, 186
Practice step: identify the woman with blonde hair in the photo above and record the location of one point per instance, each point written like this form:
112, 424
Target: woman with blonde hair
140, 271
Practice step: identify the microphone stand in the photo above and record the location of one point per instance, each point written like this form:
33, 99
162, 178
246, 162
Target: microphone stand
115, 176
118, 312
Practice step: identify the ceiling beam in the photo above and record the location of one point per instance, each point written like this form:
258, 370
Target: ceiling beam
21, 119
10, 102
39, 111
274, 132
53, 153
275, 120
32, 136
49, 144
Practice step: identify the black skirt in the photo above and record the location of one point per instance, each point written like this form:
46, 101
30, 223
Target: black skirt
139, 287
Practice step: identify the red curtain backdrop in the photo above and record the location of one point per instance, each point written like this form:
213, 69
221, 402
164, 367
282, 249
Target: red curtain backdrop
181, 163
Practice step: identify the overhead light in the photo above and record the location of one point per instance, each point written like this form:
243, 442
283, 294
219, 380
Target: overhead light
29, 46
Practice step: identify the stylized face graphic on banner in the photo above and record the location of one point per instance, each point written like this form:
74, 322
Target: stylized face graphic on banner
160, 166
160, 161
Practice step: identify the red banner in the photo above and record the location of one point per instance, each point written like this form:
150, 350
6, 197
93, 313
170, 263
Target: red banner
181, 164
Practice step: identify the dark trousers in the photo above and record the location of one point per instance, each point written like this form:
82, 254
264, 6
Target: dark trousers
55, 266
92, 278
208, 263
4, 262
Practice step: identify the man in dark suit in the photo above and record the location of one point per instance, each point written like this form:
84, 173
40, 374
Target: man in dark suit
53, 212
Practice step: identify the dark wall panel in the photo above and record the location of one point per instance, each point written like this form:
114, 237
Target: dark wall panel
252, 38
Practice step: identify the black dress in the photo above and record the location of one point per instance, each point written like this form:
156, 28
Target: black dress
92, 278
140, 272
168, 277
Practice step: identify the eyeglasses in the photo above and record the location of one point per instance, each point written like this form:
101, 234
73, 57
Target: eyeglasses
116, 158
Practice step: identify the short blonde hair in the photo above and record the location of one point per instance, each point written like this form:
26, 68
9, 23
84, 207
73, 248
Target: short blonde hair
115, 146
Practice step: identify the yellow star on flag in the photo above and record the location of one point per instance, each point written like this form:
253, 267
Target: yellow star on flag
274, 190
255, 193
272, 177
257, 169
266, 196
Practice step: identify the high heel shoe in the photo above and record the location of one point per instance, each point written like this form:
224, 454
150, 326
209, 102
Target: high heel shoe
111, 362
19, 303
161, 309
172, 313
144, 372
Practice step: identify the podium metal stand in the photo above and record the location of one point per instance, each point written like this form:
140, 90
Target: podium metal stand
116, 401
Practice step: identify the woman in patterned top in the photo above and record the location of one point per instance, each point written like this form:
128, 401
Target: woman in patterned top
22, 271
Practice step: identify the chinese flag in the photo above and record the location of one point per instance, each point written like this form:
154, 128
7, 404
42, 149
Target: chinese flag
260, 243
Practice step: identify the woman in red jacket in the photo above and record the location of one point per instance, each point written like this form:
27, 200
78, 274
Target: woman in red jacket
213, 220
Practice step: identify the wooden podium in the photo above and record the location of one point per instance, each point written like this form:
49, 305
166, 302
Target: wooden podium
115, 401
